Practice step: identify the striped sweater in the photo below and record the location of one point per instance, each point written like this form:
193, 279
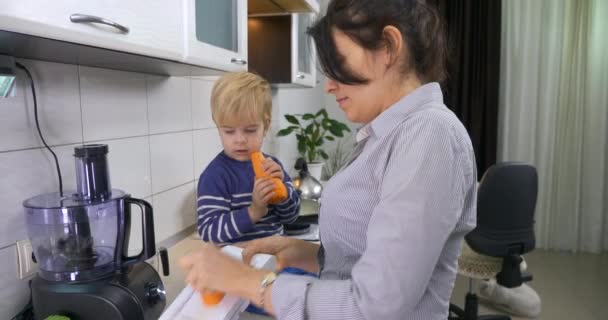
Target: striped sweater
224, 194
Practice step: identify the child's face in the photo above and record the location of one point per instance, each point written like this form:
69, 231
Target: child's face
240, 139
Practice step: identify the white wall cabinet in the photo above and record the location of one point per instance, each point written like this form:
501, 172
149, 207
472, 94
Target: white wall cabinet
151, 28
303, 54
216, 34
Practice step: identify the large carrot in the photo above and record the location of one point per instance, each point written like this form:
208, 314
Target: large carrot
280, 191
212, 298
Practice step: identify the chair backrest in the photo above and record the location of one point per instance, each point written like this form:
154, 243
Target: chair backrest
506, 200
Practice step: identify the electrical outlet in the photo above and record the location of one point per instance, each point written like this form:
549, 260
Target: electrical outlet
26, 267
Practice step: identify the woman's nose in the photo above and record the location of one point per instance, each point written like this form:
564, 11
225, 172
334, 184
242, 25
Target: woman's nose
330, 85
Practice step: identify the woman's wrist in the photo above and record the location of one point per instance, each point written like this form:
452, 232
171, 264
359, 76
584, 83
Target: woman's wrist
310, 253
247, 285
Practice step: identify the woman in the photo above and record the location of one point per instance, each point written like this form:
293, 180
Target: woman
392, 221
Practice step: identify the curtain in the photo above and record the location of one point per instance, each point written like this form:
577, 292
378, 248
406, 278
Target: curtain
472, 87
553, 114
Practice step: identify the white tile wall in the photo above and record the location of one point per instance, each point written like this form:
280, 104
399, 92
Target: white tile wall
174, 210
270, 141
129, 162
169, 107
25, 174
58, 108
172, 160
201, 103
160, 135
207, 145
114, 104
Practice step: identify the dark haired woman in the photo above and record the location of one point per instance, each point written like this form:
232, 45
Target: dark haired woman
393, 220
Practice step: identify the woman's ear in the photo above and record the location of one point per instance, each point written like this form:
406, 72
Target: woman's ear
394, 45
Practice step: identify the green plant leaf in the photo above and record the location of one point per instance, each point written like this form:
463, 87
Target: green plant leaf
322, 112
292, 119
335, 130
309, 129
312, 130
310, 148
323, 154
285, 132
302, 147
315, 134
310, 145
344, 127
311, 155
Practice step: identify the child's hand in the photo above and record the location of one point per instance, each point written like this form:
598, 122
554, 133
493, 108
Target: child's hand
263, 190
272, 168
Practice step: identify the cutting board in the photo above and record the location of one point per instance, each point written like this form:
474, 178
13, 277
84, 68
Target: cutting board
188, 304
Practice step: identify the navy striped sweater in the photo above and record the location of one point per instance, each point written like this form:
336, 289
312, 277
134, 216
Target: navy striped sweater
224, 194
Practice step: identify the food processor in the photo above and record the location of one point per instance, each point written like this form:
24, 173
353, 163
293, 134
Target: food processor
80, 241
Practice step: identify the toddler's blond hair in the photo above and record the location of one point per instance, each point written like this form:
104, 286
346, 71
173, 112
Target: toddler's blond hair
239, 97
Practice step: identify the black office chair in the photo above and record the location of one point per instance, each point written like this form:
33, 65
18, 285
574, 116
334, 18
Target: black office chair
506, 199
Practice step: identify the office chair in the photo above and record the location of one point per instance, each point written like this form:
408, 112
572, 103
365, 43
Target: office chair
506, 199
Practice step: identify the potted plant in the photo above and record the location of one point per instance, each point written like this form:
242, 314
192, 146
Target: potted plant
312, 130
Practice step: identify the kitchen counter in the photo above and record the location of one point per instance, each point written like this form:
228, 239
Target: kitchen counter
309, 208
174, 283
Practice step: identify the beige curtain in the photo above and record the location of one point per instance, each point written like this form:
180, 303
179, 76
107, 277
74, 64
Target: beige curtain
554, 114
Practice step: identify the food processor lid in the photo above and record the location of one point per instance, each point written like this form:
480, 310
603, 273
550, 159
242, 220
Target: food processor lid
55, 201
91, 150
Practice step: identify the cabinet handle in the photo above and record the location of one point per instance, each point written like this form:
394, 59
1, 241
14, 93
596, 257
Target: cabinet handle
85, 18
300, 76
238, 61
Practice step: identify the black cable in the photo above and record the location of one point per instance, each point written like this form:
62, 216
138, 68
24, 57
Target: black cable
19, 65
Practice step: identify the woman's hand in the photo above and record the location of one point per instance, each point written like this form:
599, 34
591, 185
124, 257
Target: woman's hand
210, 269
289, 252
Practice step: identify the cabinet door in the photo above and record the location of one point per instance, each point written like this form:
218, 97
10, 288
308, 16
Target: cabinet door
216, 34
303, 54
151, 28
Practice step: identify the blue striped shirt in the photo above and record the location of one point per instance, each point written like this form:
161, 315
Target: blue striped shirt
392, 221
224, 194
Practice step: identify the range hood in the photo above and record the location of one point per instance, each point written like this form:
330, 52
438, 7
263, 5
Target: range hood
273, 7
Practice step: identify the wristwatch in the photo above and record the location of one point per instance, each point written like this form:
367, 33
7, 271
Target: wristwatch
268, 279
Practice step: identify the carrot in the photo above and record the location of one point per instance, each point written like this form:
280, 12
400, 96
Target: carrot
280, 191
211, 298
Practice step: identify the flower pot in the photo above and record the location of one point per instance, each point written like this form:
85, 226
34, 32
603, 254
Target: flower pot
316, 169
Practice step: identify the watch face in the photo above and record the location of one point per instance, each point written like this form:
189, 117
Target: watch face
269, 278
